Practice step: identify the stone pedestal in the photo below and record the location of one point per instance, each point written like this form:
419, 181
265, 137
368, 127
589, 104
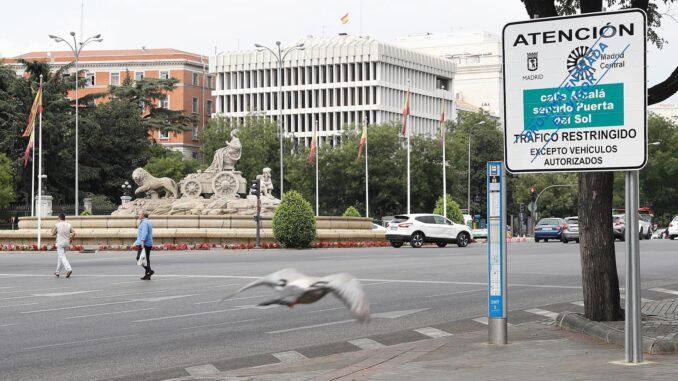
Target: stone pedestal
87, 203
45, 203
125, 199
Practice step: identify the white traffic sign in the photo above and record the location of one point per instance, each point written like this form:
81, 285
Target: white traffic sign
575, 93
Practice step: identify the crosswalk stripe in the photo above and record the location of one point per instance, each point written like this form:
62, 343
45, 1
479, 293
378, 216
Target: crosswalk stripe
202, 370
664, 290
578, 303
483, 320
289, 356
538, 311
643, 300
433, 332
365, 343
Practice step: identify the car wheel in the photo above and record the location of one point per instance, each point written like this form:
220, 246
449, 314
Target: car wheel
396, 244
441, 243
536, 240
564, 240
672, 237
576, 240
463, 239
417, 240
546, 239
640, 235
649, 235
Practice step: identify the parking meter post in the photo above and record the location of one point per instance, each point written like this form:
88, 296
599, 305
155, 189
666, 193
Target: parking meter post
633, 352
496, 253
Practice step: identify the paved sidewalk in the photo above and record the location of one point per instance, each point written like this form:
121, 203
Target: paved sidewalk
537, 351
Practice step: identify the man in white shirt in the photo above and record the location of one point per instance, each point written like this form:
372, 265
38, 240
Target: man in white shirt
63, 231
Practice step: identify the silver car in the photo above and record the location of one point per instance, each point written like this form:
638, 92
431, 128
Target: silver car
571, 229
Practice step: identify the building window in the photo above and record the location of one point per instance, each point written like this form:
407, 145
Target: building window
209, 107
139, 75
194, 133
91, 79
195, 108
115, 79
196, 79
164, 75
164, 134
163, 102
209, 82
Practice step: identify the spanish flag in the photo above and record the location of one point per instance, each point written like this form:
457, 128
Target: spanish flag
363, 141
35, 109
406, 111
442, 120
311, 151
27, 153
344, 19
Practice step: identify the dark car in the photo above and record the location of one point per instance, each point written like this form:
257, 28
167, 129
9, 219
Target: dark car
549, 228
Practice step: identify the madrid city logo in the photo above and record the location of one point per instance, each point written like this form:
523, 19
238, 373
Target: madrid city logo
532, 61
576, 60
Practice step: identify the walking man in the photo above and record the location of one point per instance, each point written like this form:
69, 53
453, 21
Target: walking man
145, 242
63, 231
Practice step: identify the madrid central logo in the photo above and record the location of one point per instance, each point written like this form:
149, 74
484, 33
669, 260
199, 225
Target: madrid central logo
575, 59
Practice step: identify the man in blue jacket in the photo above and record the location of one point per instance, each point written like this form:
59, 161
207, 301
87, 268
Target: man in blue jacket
145, 242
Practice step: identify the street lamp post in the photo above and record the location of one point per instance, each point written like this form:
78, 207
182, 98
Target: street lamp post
280, 58
468, 188
76, 48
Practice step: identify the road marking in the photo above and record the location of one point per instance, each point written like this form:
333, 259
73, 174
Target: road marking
52, 294
18, 297
128, 294
219, 324
37, 289
289, 356
538, 311
664, 290
578, 303
7, 325
483, 320
225, 285
163, 298
311, 326
433, 332
18, 305
374, 283
76, 342
326, 309
366, 343
75, 307
397, 314
219, 300
7, 287
458, 292
108, 313
202, 370
186, 315
643, 300
258, 307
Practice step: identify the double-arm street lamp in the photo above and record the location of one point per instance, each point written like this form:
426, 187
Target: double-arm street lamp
279, 54
76, 48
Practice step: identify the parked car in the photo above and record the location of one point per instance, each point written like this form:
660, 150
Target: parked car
619, 227
673, 228
661, 233
418, 229
571, 230
549, 228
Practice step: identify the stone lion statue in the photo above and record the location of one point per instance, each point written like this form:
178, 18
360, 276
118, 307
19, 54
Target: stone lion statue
148, 182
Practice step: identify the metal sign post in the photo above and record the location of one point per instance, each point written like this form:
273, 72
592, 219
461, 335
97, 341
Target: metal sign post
633, 351
496, 253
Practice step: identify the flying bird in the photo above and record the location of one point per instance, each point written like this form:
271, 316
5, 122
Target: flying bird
294, 288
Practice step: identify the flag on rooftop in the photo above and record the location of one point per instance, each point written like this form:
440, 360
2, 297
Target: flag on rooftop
344, 19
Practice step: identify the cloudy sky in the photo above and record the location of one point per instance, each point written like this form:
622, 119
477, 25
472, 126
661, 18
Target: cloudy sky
201, 26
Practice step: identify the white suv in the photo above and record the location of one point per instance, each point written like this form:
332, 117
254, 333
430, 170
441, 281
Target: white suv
673, 228
420, 228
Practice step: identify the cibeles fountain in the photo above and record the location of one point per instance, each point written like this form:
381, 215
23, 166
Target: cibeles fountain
219, 190
210, 206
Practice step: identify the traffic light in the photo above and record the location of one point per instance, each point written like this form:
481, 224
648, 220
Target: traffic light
533, 194
256, 188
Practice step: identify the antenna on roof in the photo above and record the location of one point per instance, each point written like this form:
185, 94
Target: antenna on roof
143, 48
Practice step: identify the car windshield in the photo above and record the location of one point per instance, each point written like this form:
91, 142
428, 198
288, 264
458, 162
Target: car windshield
572, 221
675, 218
548, 221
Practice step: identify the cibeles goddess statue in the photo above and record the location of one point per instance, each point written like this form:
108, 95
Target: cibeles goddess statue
226, 157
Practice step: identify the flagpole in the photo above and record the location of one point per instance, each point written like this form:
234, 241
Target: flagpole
39, 208
33, 183
315, 137
442, 134
408, 151
367, 178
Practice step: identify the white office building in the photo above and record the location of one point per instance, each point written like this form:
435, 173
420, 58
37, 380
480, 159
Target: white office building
478, 83
338, 82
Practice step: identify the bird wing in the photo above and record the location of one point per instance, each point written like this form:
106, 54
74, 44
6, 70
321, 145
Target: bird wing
347, 288
271, 280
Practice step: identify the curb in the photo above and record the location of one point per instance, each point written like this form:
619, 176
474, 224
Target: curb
574, 322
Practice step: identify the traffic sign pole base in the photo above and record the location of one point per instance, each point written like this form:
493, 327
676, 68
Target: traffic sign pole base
497, 331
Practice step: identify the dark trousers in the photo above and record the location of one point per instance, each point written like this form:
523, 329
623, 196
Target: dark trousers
148, 257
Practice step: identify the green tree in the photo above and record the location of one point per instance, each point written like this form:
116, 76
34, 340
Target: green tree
172, 164
659, 178
453, 211
351, 212
294, 221
6, 188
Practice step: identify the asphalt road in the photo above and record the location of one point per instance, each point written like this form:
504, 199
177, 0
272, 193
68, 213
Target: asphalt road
105, 323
